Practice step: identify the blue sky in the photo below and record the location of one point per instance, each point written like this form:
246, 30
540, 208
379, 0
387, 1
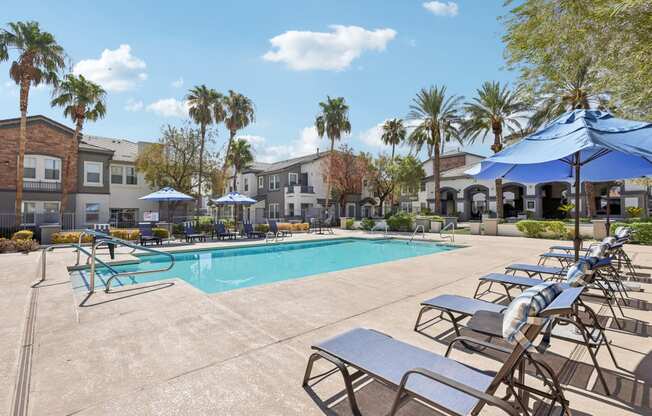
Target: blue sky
286, 56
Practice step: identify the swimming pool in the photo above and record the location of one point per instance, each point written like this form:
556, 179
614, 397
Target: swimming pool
224, 269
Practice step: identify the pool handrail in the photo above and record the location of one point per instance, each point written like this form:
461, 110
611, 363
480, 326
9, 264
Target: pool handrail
451, 236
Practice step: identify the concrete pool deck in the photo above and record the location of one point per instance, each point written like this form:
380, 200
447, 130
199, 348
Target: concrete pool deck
165, 348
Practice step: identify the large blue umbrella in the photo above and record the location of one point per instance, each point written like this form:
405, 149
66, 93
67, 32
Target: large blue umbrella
168, 195
590, 143
234, 198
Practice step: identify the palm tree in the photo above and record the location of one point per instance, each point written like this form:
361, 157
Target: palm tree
81, 100
237, 112
393, 133
495, 108
437, 116
201, 102
39, 60
240, 157
333, 121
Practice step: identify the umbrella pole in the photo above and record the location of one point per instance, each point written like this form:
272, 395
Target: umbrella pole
577, 241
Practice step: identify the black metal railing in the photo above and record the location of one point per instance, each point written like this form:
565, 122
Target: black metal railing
34, 221
40, 186
303, 189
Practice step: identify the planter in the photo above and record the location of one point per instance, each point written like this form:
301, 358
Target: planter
47, 231
599, 229
424, 222
475, 228
490, 226
450, 220
435, 226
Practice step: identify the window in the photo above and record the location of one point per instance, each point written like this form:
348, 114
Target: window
92, 213
274, 183
365, 183
350, 210
423, 186
291, 210
261, 182
131, 177
123, 217
246, 184
51, 212
293, 178
273, 211
52, 169
92, 173
116, 174
29, 212
29, 168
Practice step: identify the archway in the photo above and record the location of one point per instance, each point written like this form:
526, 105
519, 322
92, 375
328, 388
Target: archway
449, 202
608, 198
513, 199
476, 201
551, 196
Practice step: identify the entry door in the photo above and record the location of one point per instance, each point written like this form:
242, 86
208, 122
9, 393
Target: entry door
350, 210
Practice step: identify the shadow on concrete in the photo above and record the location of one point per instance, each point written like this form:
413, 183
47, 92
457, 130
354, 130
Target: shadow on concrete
120, 294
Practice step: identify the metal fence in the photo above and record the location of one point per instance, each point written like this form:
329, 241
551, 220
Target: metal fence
34, 221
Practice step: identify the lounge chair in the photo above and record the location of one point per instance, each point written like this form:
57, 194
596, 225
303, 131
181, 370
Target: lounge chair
249, 232
191, 234
573, 329
147, 234
327, 225
443, 383
220, 231
105, 229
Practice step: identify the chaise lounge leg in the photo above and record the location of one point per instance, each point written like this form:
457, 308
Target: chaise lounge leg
348, 382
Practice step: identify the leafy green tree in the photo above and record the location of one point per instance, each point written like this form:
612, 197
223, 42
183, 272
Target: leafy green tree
333, 121
204, 109
39, 60
394, 133
237, 113
437, 116
494, 109
82, 100
386, 176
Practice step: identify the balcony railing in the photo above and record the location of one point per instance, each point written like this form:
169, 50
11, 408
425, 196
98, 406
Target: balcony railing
301, 189
39, 186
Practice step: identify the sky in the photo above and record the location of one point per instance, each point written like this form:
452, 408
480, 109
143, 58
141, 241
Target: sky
286, 56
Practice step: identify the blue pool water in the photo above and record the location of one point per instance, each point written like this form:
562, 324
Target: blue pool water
222, 270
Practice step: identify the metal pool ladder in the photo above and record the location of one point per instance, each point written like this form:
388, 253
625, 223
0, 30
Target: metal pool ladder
451, 236
416, 230
93, 259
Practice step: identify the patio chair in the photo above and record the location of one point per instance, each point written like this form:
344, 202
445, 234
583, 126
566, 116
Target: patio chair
249, 232
275, 231
327, 225
105, 229
443, 383
220, 231
147, 234
191, 234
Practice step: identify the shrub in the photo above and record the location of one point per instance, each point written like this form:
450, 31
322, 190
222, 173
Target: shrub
262, 228
69, 238
161, 232
367, 224
349, 224
531, 228
177, 229
8, 246
125, 234
401, 221
557, 228
300, 227
284, 226
641, 231
634, 212
23, 235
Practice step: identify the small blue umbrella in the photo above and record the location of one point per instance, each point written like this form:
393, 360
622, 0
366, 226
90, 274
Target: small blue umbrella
168, 195
235, 199
590, 143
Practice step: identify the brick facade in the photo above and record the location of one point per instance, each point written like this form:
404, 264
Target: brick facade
44, 137
452, 162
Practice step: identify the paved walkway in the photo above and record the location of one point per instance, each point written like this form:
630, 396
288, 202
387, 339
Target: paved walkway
169, 349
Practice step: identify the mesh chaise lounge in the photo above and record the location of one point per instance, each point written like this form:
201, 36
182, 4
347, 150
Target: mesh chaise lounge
191, 234
249, 232
220, 231
147, 234
443, 383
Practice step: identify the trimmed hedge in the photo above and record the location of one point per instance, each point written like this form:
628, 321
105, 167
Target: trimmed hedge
641, 231
23, 235
19, 244
69, 238
536, 229
349, 224
401, 221
367, 224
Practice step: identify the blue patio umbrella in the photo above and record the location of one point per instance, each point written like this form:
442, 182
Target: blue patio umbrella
168, 195
235, 199
589, 145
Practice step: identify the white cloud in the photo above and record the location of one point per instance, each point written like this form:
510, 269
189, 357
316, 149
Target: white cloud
372, 137
115, 70
169, 107
306, 143
178, 83
134, 105
440, 8
335, 50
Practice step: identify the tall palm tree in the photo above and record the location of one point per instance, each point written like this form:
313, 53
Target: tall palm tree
393, 133
437, 116
39, 60
201, 102
494, 109
82, 100
333, 121
240, 157
237, 112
